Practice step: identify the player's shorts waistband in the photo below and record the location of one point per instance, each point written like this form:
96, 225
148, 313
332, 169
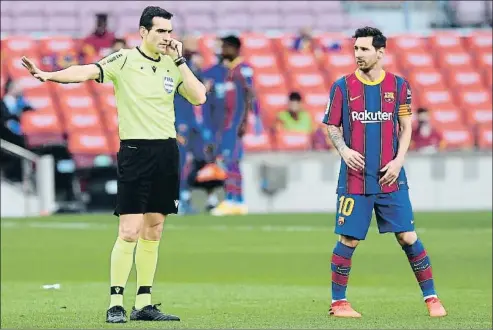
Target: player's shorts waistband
144, 142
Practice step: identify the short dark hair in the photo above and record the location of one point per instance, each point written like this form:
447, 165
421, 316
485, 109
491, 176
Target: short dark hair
295, 96
422, 110
117, 40
379, 40
149, 13
232, 40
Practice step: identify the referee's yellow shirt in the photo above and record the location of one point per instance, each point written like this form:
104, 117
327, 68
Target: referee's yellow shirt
144, 91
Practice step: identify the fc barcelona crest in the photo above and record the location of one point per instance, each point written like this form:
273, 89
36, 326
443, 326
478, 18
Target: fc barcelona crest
389, 97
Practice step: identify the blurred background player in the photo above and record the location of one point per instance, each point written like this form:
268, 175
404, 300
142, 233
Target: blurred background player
369, 105
194, 139
238, 101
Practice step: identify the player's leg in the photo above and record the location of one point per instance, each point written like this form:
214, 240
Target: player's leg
131, 199
394, 214
230, 156
353, 219
163, 200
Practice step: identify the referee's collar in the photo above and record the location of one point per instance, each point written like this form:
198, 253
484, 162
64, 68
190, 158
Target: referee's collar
149, 58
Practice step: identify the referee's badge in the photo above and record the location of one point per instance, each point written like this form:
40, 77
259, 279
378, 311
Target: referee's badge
169, 84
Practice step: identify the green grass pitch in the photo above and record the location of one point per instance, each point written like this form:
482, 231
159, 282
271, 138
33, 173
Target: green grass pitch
257, 271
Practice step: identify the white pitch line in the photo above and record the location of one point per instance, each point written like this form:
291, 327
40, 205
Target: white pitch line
217, 228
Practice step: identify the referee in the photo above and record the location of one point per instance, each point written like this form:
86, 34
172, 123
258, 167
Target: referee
145, 79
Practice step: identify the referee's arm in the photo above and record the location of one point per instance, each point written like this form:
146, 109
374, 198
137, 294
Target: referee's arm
191, 88
72, 74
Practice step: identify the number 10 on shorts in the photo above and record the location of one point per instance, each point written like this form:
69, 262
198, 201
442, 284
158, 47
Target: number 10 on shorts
346, 205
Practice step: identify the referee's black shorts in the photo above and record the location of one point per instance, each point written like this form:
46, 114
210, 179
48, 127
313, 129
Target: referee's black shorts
148, 177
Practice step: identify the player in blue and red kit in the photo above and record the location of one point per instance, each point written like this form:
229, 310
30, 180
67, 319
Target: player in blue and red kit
371, 105
238, 102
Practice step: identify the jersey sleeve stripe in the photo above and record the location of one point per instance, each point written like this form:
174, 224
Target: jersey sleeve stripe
101, 73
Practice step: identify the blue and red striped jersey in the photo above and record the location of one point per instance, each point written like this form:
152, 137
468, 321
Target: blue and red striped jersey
239, 83
368, 113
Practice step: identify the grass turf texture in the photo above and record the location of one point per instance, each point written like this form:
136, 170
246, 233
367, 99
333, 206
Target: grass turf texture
257, 271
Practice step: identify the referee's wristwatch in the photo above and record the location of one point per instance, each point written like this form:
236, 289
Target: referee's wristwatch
180, 60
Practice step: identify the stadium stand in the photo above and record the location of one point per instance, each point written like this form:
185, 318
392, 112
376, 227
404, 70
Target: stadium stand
450, 72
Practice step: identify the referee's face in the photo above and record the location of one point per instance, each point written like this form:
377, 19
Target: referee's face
159, 35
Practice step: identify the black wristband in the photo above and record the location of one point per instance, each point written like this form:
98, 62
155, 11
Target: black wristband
180, 60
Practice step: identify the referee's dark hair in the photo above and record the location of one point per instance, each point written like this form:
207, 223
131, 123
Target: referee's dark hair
379, 40
149, 13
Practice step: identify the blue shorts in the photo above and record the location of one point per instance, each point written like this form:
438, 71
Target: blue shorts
393, 212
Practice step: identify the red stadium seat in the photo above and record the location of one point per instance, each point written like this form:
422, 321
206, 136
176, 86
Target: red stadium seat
413, 60
445, 41
488, 79
316, 103
484, 60
272, 83
263, 63
342, 61
208, 44
271, 104
390, 63
464, 79
85, 147
105, 88
14, 47
295, 62
290, 141
313, 82
57, 45
254, 142
40, 101
29, 83
478, 98
479, 115
460, 60
457, 137
436, 99
41, 127
426, 78
77, 104
283, 43
110, 120
484, 137
71, 89
114, 142
333, 40
133, 39
16, 70
446, 117
58, 52
256, 44
333, 74
479, 41
82, 120
107, 102
406, 43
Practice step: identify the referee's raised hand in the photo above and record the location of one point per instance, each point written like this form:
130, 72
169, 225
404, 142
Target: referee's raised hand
174, 49
34, 70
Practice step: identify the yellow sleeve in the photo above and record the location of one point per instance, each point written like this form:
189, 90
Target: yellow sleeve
111, 65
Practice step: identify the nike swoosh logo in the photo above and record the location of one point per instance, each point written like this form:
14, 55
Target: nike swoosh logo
354, 98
